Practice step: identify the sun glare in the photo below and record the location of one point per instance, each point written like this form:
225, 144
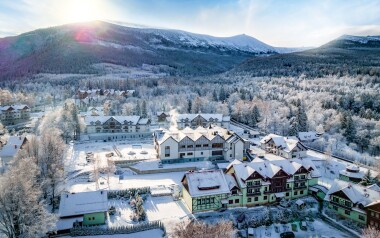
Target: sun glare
82, 10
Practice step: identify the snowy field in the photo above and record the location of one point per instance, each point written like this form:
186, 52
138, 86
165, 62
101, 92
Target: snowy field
155, 233
321, 228
163, 209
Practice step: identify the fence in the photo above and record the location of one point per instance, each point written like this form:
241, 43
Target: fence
94, 231
127, 193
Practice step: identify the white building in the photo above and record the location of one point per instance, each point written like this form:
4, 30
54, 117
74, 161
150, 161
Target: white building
10, 150
113, 128
195, 120
12, 115
283, 146
213, 143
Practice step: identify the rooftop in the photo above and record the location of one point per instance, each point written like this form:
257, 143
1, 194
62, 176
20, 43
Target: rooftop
77, 204
205, 183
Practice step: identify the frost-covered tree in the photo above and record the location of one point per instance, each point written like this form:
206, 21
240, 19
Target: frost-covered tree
50, 163
144, 111
370, 232
22, 213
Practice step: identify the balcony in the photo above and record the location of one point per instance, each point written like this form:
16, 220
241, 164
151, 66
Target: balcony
254, 193
300, 187
254, 185
300, 179
340, 205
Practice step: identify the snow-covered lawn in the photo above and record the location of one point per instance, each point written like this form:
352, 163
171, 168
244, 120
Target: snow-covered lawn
130, 180
163, 209
321, 228
155, 233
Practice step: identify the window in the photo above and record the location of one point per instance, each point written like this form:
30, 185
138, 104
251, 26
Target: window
361, 217
296, 177
265, 197
335, 199
288, 185
230, 201
335, 208
205, 145
257, 182
301, 192
234, 192
302, 176
167, 151
167, 155
236, 200
201, 153
347, 203
198, 202
217, 145
198, 146
287, 194
347, 212
265, 189
372, 214
218, 152
181, 155
190, 146
257, 190
207, 200
256, 199
295, 193
249, 199
212, 200
249, 190
190, 153
183, 146
249, 183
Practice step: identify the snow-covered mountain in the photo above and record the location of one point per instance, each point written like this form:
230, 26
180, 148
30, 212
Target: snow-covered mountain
359, 39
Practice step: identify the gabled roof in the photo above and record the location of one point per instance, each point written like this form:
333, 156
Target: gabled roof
77, 204
12, 147
356, 193
285, 143
120, 119
207, 117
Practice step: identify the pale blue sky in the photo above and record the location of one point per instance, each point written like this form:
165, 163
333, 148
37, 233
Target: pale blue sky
288, 23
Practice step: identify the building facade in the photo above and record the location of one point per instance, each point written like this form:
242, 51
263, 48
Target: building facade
249, 184
285, 147
189, 145
350, 200
193, 121
12, 115
373, 214
113, 128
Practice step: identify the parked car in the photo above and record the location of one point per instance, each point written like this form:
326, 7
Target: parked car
287, 234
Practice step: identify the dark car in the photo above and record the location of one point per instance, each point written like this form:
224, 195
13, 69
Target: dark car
287, 234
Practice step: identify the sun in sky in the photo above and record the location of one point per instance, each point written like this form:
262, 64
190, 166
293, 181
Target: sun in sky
82, 10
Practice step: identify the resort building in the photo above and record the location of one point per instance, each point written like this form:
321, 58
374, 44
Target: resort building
193, 120
112, 128
12, 115
285, 147
352, 174
353, 201
213, 143
256, 183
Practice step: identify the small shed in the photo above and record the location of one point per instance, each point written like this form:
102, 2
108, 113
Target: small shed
300, 204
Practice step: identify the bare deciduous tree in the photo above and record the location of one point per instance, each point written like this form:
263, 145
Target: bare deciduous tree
22, 213
222, 229
371, 232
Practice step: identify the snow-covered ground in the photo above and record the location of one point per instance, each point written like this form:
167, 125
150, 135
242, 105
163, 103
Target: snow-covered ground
155, 233
321, 228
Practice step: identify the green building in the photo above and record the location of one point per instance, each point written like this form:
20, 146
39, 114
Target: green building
349, 200
87, 208
255, 183
352, 174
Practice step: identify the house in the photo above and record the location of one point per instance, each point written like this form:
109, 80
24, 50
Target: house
162, 116
14, 114
113, 128
259, 182
352, 174
205, 190
196, 120
10, 150
351, 200
189, 145
283, 146
89, 207
373, 214
307, 136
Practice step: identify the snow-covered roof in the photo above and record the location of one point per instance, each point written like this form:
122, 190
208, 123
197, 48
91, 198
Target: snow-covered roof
307, 136
357, 194
285, 143
205, 183
268, 169
356, 175
14, 107
230, 181
12, 147
195, 134
353, 167
207, 117
77, 204
120, 119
